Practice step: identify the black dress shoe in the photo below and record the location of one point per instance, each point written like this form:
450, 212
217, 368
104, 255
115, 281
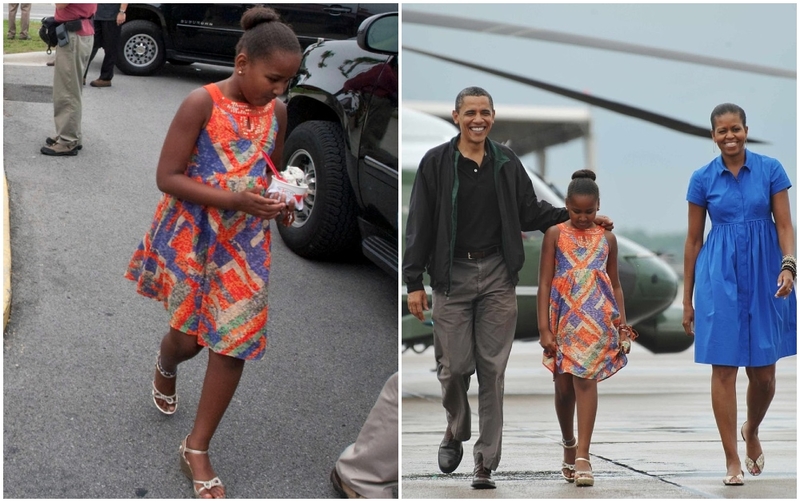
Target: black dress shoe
482, 478
450, 453
342, 489
59, 150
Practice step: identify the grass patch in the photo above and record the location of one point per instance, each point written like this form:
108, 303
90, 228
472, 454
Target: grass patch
16, 46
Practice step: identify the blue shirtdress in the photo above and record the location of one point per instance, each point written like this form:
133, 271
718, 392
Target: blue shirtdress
738, 320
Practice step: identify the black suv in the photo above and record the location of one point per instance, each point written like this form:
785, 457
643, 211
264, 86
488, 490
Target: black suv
207, 33
342, 131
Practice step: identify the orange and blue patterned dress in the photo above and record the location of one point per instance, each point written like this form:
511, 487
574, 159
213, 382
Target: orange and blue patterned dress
210, 266
583, 309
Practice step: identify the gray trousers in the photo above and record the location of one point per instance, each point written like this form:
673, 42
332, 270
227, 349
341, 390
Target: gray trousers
24, 19
71, 60
473, 330
370, 465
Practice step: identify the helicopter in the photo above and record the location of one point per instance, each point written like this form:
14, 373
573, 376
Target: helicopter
649, 284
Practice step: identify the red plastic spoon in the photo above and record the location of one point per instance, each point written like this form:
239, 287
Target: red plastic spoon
272, 166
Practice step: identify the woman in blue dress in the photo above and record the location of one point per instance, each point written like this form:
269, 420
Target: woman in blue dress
742, 278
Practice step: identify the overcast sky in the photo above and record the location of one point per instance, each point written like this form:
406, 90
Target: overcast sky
643, 169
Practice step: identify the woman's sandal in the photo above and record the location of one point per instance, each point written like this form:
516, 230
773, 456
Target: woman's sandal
737, 480
564, 464
754, 468
187, 469
584, 478
170, 400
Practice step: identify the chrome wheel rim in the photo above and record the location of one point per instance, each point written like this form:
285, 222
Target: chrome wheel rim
141, 50
302, 159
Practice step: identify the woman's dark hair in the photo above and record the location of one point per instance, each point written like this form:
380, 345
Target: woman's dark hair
265, 33
727, 108
583, 184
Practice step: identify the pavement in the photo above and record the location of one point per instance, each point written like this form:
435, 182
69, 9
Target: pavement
6, 257
654, 438
23, 59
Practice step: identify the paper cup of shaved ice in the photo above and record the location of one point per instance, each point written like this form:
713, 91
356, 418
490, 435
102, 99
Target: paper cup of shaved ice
295, 185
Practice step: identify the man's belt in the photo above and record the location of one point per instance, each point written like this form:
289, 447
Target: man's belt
475, 255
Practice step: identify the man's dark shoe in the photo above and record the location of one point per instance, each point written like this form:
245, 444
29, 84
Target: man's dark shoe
482, 477
450, 453
59, 150
342, 488
99, 83
24, 37
51, 63
51, 142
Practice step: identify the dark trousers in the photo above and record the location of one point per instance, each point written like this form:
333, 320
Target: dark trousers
106, 35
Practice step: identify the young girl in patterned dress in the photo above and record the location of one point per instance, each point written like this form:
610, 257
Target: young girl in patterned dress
207, 254
581, 318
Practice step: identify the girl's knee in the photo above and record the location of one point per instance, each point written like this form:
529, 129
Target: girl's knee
564, 390
584, 384
564, 397
226, 362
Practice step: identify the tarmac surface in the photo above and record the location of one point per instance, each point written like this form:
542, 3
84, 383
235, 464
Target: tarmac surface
654, 438
80, 345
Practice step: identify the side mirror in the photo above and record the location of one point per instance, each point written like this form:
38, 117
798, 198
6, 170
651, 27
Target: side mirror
379, 33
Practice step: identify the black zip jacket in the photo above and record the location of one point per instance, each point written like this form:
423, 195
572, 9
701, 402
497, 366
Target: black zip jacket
431, 225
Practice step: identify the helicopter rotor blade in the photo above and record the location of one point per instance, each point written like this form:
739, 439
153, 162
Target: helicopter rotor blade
630, 111
463, 23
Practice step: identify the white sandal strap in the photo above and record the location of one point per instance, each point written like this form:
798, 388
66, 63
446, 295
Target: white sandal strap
564, 443
186, 449
565, 465
163, 397
207, 485
584, 459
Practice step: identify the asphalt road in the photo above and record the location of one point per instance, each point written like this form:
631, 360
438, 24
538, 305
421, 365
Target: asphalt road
654, 438
80, 346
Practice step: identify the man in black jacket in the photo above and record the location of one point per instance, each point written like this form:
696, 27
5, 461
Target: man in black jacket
470, 202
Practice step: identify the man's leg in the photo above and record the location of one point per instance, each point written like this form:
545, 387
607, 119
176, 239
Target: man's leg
495, 323
111, 33
12, 19
96, 44
369, 466
25, 20
453, 348
71, 59
67, 93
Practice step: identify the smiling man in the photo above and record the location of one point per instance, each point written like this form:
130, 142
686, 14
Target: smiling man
470, 202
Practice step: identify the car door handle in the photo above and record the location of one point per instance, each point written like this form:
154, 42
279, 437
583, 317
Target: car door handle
337, 10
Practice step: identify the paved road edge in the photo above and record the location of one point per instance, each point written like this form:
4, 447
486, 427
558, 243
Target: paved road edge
6, 256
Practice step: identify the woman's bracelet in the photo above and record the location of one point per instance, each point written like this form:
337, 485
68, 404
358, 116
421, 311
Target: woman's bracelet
789, 263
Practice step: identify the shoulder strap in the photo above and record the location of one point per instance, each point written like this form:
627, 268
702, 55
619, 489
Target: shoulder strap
214, 91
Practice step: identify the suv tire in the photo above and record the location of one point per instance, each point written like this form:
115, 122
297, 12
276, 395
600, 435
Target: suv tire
141, 48
328, 226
